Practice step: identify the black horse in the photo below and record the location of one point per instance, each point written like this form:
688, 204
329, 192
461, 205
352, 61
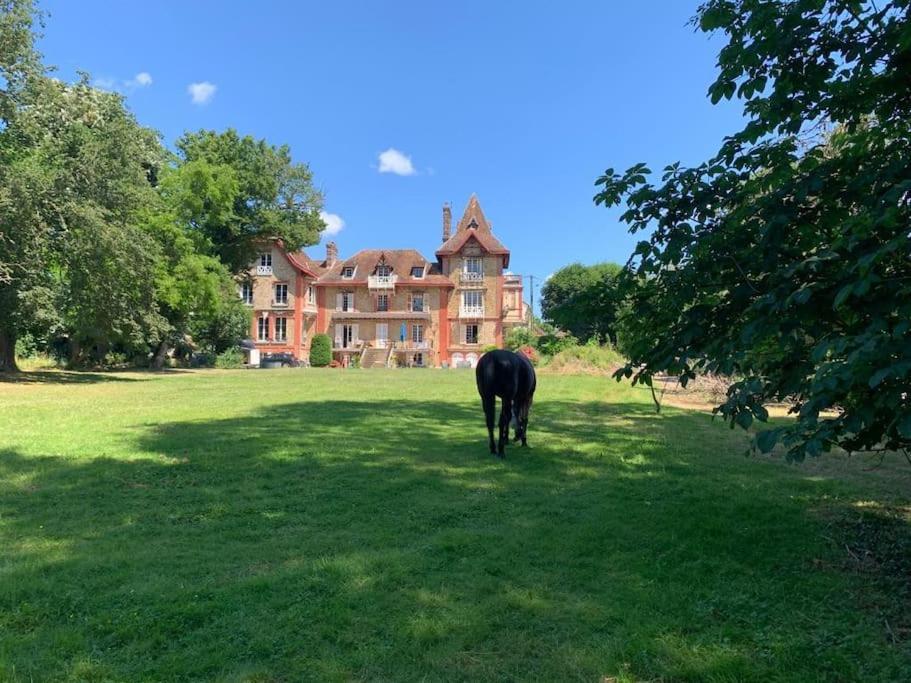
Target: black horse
510, 376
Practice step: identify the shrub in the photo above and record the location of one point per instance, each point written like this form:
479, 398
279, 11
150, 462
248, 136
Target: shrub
552, 344
530, 353
518, 337
489, 347
321, 351
231, 358
587, 359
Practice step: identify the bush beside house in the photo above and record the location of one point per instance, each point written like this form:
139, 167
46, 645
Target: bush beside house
320, 351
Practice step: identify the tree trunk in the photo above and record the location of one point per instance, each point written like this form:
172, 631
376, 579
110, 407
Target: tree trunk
160, 354
8, 351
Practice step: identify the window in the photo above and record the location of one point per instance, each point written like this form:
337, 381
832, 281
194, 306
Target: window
265, 260
417, 302
246, 293
419, 360
281, 329
281, 294
347, 301
417, 272
384, 270
471, 334
311, 294
348, 271
417, 333
263, 329
382, 302
472, 298
475, 265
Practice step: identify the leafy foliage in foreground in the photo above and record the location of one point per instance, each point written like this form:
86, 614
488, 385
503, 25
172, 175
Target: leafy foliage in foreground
784, 259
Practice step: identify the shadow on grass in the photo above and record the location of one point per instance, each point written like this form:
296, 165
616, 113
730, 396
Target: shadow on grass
352, 540
82, 376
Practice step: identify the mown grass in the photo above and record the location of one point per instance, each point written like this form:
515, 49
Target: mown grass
349, 525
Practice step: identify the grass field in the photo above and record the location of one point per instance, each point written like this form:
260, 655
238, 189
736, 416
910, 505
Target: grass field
350, 525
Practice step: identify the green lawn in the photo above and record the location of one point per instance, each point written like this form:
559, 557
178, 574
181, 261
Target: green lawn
350, 525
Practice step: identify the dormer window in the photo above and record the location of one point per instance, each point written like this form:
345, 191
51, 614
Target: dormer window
265, 260
417, 272
348, 272
383, 270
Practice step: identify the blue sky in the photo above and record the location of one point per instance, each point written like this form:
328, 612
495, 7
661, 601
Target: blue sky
523, 104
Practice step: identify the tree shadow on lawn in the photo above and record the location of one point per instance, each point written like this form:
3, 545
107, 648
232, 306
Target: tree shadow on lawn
352, 540
78, 376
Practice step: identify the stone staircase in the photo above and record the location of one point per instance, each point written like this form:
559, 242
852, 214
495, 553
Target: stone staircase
374, 358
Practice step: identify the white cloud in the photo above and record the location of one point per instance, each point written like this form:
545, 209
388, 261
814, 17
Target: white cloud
394, 161
142, 79
104, 83
202, 93
334, 223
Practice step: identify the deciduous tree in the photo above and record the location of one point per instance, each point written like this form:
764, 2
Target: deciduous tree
784, 259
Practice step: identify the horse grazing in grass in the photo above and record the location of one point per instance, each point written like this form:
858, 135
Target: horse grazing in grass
510, 376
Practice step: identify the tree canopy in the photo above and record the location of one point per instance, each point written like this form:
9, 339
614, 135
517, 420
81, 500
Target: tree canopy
107, 240
583, 300
784, 259
235, 191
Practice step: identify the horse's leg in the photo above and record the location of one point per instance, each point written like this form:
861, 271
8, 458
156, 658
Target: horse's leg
490, 413
505, 417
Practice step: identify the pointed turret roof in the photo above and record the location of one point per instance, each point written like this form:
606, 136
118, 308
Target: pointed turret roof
474, 225
473, 217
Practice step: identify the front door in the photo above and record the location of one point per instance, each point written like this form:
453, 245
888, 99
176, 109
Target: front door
382, 335
347, 336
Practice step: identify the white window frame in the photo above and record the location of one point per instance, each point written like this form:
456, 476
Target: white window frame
246, 293
421, 275
415, 297
383, 297
262, 329
417, 333
311, 294
384, 270
348, 301
473, 294
265, 260
281, 329
345, 269
477, 334
473, 261
280, 286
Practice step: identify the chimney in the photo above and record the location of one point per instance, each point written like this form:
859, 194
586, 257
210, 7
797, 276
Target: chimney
331, 253
447, 221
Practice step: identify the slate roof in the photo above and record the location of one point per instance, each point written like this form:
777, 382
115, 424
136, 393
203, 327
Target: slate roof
401, 260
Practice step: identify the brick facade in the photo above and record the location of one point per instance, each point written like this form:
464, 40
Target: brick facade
447, 310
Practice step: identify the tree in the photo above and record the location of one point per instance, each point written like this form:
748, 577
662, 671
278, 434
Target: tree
320, 350
74, 174
583, 300
783, 259
270, 196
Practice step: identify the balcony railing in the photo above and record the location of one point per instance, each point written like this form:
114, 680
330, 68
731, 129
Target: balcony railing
512, 279
276, 303
471, 311
264, 270
471, 278
382, 281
